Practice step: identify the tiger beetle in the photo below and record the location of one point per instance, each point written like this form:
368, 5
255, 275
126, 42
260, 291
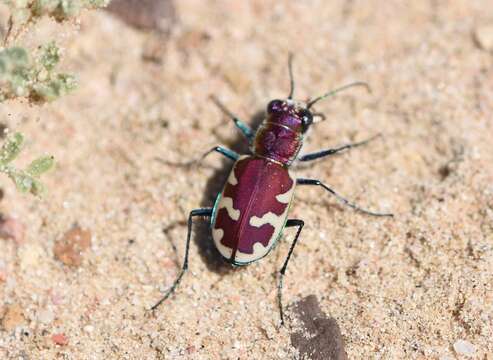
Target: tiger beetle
249, 215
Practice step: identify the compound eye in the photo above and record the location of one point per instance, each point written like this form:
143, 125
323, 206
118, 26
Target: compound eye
306, 118
274, 106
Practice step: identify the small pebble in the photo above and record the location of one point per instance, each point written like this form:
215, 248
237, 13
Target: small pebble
190, 350
105, 302
56, 298
3, 271
192, 39
13, 317
12, 229
88, 329
30, 256
446, 357
145, 14
483, 35
46, 316
60, 339
464, 347
70, 247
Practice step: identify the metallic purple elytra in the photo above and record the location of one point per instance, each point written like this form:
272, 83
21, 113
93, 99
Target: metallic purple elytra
250, 219
251, 212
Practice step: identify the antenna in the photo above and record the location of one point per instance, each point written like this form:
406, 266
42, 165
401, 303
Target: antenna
291, 78
333, 92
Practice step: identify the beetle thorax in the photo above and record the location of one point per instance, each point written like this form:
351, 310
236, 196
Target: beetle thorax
277, 142
280, 136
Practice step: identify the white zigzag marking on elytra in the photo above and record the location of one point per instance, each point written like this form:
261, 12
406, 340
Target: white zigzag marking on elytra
227, 203
285, 198
269, 218
232, 178
259, 251
217, 234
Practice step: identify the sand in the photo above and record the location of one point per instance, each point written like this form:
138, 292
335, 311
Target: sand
418, 286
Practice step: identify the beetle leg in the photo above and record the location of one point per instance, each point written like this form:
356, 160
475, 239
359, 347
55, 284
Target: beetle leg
324, 153
291, 222
244, 128
230, 154
339, 197
193, 213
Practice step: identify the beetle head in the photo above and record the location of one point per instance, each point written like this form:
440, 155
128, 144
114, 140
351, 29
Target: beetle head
290, 113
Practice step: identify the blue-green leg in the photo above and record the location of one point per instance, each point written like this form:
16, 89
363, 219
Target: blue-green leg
324, 153
346, 202
244, 128
230, 154
197, 212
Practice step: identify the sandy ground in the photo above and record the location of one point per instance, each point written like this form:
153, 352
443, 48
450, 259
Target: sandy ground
415, 287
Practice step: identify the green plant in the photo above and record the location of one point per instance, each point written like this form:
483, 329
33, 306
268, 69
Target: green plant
33, 75
36, 79
26, 180
24, 11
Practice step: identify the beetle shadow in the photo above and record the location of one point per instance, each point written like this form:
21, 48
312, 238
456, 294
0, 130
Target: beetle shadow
203, 239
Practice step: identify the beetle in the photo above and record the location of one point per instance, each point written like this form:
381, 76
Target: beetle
250, 213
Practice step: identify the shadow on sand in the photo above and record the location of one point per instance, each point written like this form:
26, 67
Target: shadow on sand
202, 234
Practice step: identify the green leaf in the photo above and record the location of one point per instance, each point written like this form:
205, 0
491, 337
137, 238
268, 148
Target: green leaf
42, 7
23, 182
37, 188
50, 56
26, 183
36, 79
12, 58
53, 89
15, 74
40, 165
11, 148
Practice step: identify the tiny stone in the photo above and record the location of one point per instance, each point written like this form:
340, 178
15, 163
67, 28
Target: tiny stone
30, 255
105, 302
88, 329
464, 347
145, 14
3, 270
56, 298
70, 247
46, 316
190, 350
483, 36
13, 317
446, 357
60, 339
11, 228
